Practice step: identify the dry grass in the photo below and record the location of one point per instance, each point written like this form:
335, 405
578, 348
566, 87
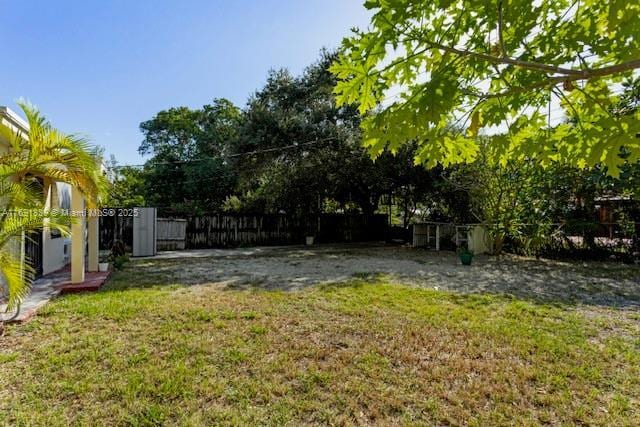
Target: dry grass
365, 352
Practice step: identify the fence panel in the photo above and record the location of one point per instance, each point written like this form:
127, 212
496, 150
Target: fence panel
172, 234
226, 230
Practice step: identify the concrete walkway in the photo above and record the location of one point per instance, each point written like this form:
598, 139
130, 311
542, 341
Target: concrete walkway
43, 289
48, 287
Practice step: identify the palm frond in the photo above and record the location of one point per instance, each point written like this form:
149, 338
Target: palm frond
18, 278
13, 225
43, 152
17, 194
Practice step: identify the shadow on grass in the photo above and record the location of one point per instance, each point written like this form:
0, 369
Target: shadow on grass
540, 282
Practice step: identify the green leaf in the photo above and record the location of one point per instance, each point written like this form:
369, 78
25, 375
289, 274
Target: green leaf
411, 43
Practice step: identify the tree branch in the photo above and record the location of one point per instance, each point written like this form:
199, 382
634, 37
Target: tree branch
500, 38
577, 74
586, 74
506, 60
559, 94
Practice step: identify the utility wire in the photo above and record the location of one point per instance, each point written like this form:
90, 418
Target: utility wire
387, 98
246, 153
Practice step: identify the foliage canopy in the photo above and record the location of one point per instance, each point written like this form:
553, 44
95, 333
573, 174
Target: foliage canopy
188, 168
441, 72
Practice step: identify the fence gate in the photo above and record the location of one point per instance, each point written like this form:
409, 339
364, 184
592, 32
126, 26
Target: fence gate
144, 232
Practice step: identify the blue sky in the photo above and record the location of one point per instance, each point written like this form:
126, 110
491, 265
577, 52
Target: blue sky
102, 67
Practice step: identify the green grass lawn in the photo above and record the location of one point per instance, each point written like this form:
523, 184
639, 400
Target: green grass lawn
366, 352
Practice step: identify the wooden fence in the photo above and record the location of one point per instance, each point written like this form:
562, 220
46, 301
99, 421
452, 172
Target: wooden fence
229, 230
223, 230
171, 234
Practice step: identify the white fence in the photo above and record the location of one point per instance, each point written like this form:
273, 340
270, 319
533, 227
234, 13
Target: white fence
430, 235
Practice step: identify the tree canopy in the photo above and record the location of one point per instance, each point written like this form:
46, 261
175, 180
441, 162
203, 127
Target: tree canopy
188, 168
291, 149
309, 149
441, 72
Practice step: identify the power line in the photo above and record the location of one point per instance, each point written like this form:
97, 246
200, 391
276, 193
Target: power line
246, 153
286, 147
211, 178
618, 92
297, 145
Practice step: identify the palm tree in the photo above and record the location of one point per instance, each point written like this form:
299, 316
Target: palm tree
42, 152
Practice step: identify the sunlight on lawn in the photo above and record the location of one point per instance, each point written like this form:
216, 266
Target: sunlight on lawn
367, 351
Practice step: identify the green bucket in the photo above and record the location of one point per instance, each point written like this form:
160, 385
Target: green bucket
466, 258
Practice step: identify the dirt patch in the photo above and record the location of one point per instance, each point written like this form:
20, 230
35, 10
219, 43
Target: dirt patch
294, 268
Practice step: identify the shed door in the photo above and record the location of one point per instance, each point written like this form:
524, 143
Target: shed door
144, 232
